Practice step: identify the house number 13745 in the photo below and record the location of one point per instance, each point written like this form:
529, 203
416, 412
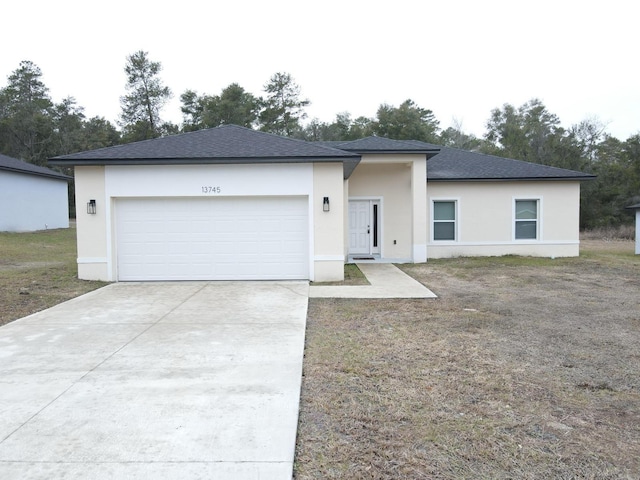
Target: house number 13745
211, 189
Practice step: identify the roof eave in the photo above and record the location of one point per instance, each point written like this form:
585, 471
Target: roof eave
197, 161
60, 176
513, 179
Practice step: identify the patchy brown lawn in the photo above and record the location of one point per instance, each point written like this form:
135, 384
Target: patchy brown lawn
522, 368
38, 270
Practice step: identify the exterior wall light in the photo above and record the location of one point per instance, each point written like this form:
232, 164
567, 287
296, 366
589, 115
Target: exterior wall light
91, 207
325, 204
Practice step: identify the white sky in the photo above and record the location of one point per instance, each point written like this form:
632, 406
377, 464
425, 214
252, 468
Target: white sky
460, 58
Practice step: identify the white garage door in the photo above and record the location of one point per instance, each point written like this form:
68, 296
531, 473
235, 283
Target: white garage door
221, 238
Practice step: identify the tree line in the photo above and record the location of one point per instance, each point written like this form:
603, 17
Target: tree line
34, 128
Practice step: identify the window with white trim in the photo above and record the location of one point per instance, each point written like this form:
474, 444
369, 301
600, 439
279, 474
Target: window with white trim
444, 220
526, 219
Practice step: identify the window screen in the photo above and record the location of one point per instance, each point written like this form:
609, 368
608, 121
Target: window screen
526, 219
444, 220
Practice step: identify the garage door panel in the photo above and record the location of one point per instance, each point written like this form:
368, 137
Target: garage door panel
212, 238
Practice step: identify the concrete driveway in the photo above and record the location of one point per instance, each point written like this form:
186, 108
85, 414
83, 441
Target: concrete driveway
182, 380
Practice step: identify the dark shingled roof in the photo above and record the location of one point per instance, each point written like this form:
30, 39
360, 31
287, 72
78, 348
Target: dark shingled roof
452, 164
225, 144
384, 145
234, 144
14, 165
634, 207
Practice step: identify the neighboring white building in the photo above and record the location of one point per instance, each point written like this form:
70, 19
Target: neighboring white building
636, 207
32, 197
232, 203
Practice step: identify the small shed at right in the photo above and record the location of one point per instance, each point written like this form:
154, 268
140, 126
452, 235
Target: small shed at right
636, 207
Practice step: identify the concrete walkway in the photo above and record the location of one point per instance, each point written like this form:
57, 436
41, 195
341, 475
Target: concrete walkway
387, 281
189, 380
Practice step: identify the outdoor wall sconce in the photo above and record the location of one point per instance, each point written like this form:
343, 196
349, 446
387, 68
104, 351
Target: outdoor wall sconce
91, 207
325, 204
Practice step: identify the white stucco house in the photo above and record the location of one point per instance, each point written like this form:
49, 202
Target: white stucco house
636, 207
32, 197
234, 203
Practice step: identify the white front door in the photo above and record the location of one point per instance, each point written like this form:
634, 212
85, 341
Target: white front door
364, 227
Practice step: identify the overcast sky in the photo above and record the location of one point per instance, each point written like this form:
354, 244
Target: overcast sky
461, 59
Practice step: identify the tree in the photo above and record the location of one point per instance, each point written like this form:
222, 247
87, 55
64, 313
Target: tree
316, 130
525, 133
361, 127
140, 116
406, 122
604, 199
342, 128
26, 115
192, 109
456, 138
632, 157
68, 134
99, 133
588, 134
234, 106
283, 109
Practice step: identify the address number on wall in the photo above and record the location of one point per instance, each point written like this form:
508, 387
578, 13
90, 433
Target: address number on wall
208, 189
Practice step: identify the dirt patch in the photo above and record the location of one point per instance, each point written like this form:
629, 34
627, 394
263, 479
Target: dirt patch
522, 368
352, 276
8, 265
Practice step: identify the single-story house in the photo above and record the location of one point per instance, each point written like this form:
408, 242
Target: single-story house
32, 197
234, 203
636, 207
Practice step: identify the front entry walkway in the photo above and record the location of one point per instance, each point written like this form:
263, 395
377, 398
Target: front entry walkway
155, 380
387, 281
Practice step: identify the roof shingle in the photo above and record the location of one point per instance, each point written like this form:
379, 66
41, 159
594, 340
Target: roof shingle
221, 143
234, 144
384, 145
452, 164
14, 165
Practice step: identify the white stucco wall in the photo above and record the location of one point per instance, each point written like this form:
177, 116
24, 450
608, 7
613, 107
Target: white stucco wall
32, 202
91, 230
419, 209
485, 224
638, 232
328, 227
97, 238
398, 181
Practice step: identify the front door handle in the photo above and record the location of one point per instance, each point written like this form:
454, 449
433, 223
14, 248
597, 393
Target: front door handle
368, 230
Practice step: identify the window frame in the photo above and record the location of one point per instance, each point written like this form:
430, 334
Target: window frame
455, 221
538, 219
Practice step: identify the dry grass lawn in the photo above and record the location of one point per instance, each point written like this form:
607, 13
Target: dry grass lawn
38, 270
522, 368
